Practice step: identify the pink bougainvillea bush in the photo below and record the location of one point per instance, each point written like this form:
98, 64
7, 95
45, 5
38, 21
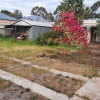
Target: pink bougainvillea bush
73, 33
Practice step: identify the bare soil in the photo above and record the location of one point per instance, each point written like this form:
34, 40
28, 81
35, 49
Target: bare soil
15, 92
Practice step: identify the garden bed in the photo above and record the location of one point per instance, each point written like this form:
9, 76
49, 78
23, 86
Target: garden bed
57, 83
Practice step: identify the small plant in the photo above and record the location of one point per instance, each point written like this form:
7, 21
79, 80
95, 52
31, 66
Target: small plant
49, 38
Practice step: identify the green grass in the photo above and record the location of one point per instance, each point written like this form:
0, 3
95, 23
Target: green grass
7, 43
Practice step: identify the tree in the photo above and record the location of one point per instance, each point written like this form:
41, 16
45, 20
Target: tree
50, 17
41, 11
70, 5
18, 14
7, 13
91, 12
94, 9
95, 6
88, 13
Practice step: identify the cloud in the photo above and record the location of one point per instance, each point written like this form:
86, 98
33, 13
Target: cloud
26, 5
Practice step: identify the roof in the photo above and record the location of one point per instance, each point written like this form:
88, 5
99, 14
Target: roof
24, 22
6, 22
89, 22
6, 17
35, 18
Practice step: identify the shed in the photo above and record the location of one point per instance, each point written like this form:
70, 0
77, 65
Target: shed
33, 25
6, 20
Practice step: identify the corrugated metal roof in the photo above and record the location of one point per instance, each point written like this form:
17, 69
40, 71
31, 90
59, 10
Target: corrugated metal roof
6, 22
21, 23
6, 17
90, 22
35, 18
31, 23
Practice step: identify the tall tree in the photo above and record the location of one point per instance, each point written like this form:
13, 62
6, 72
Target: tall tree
41, 11
7, 13
70, 5
50, 17
18, 14
88, 13
94, 9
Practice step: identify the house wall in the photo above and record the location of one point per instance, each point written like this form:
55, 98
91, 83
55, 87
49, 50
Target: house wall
8, 32
2, 31
34, 31
5, 32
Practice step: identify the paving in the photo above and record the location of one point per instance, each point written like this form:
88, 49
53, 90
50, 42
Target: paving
90, 90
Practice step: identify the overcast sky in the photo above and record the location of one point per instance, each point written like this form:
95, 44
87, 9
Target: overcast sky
26, 5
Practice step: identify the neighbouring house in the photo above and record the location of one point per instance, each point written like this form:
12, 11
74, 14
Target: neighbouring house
6, 20
32, 25
90, 26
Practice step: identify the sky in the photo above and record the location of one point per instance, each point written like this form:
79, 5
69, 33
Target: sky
26, 5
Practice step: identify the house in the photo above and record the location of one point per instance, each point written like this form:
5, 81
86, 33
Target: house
6, 20
90, 26
32, 25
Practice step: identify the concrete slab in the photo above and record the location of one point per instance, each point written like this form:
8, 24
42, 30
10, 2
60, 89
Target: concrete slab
90, 90
76, 98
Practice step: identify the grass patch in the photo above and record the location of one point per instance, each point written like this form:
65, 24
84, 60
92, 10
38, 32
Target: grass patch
9, 44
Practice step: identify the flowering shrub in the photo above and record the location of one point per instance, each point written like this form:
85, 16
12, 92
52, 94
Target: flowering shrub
73, 33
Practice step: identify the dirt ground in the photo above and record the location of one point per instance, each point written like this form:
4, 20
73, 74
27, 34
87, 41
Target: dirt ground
78, 63
57, 83
12, 91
